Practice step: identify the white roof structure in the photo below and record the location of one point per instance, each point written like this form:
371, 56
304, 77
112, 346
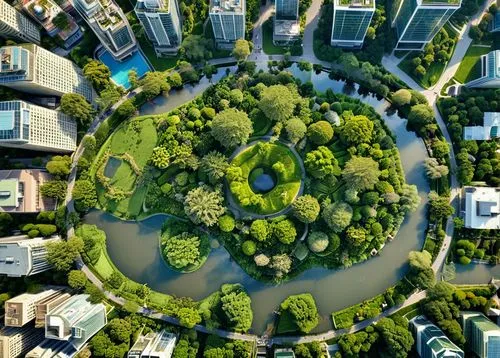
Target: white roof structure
482, 207
154, 344
489, 130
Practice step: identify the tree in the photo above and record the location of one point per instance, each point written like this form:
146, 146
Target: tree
401, 97
98, 74
61, 254
398, 340
306, 208
54, 189
409, 199
421, 273
108, 96
75, 105
133, 79
59, 166
84, 194
127, 109
119, 330
439, 206
285, 231
236, 305
295, 129
182, 250
277, 102
175, 79
317, 241
320, 132
337, 216
435, 170
241, 49
153, 84
281, 264
361, 173
196, 48
204, 206
77, 279
440, 148
231, 127
188, 317
61, 21
214, 165
260, 230
226, 223
303, 310
358, 129
249, 248
321, 162
420, 116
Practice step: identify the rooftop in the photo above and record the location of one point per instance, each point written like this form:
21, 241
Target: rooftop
286, 27
432, 338
482, 207
440, 2
481, 322
227, 6
356, 3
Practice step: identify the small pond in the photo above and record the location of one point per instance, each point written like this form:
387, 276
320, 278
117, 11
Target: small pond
111, 167
262, 180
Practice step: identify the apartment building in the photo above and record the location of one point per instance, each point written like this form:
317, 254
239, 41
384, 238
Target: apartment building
110, 25
418, 21
32, 69
27, 126
228, 21
17, 26
75, 321
21, 309
161, 20
17, 341
44, 12
22, 256
351, 19
482, 336
430, 340
490, 72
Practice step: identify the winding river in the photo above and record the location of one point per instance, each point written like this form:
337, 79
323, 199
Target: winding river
133, 246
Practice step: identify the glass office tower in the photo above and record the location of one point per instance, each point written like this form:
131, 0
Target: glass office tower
351, 19
228, 21
287, 9
418, 21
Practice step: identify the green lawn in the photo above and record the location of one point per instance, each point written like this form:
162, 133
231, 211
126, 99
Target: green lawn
364, 310
286, 323
103, 266
470, 67
267, 40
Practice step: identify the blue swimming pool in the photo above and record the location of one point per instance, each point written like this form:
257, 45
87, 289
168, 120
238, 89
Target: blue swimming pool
119, 70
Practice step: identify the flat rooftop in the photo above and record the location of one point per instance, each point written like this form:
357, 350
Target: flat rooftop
482, 207
441, 2
356, 3
227, 6
286, 27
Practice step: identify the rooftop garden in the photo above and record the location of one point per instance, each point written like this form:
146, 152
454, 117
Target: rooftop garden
357, 3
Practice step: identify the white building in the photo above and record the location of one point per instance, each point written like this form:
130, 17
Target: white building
17, 26
162, 23
431, 341
482, 336
418, 21
482, 207
32, 69
27, 126
21, 309
228, 21
110, 25
351, 20
490, 72
154, 344
22, 256
16, 342
489, 129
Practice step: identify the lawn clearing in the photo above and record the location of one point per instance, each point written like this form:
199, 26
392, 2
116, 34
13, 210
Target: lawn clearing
267, 40
470, 67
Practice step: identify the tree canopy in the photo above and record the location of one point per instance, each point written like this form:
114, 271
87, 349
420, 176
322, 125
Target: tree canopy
303, 310
76, 106
231, 127
361, 173
277, 102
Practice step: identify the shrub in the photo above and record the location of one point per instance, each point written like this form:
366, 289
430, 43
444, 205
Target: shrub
320, 132
306, 208
226, 223
464, 260
249, 247
259, 230
317, 241
285, 231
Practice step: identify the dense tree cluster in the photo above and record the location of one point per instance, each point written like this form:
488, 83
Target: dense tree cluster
303, 311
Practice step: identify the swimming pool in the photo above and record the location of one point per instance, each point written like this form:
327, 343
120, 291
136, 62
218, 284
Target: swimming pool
119, 70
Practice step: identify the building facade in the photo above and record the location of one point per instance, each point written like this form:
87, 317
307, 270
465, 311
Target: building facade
44, 12
482, 336
228, 21
418, 21
161, 20
431, 342
32, 69
47, 304
154, 344
27, 126
351, 20
482, 207
490, 72
21, 309
75, 321
51, 348
22, 256
17, 26
489, 130
16, 342
287, 9
110, 25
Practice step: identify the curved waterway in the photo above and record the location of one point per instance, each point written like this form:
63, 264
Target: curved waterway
133, 246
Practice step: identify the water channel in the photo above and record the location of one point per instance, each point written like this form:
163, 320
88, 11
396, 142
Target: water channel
133, 246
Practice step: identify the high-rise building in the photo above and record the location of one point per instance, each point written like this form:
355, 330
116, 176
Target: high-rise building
75, 321
161, 20
15, 341
431, 341
110, 25
17, 26
287, 9
154, 344
228, 21
20, 191
351, 19
21, 309
482, 336
32, 69
418, 21
490, 72
27, 126
45, 11
22, 256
